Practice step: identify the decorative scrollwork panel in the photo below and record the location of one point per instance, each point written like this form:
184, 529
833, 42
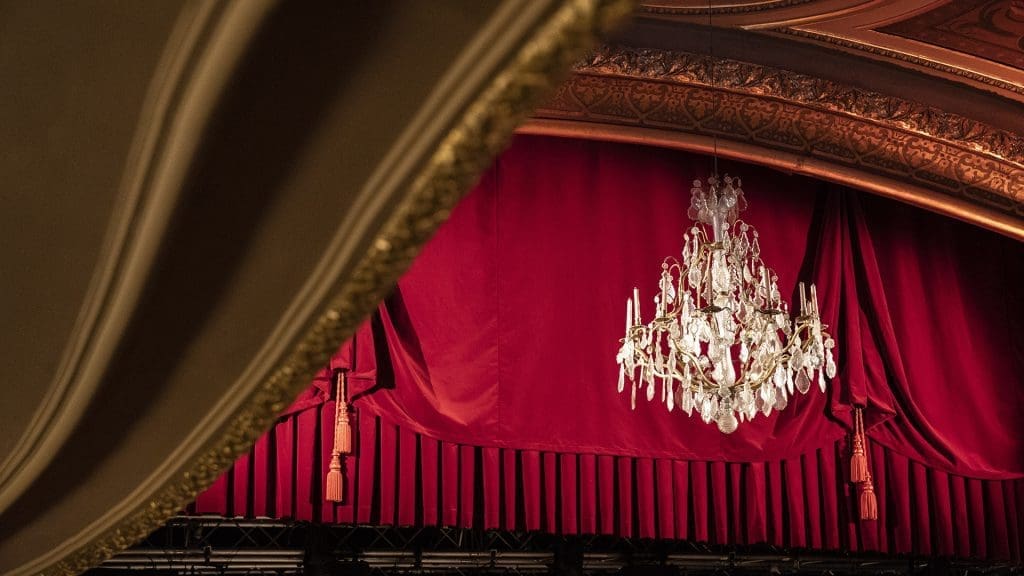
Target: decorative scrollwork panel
957, 157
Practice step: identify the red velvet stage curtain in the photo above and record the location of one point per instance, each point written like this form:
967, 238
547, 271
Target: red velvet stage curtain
404, 478
485, 385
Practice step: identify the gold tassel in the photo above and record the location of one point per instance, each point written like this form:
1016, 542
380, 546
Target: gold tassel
859, 460
860, 470
868, 501
335, 483
342, 441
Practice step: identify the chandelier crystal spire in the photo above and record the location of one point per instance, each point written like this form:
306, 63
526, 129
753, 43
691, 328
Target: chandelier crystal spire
722, 342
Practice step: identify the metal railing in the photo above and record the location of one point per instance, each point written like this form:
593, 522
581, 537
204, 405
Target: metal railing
216, 545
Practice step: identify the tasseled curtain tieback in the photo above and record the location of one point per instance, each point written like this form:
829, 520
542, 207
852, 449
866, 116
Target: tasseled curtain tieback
342, 439
860, 472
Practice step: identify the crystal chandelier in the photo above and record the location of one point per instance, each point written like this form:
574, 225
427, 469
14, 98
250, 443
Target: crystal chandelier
721, 341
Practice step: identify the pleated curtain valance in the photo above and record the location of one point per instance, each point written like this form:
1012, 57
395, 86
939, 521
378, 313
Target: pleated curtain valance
403, 478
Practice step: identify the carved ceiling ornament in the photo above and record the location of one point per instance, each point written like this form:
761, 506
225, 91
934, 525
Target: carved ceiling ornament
977, 43
967, 162
989, 29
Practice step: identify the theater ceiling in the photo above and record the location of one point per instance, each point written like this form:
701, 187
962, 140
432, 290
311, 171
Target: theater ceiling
922, 101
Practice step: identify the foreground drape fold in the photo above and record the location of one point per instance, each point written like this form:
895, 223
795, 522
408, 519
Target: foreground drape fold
485, 384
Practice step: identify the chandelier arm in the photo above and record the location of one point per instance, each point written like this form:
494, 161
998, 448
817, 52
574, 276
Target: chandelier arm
803, 327
677, 375
783, 356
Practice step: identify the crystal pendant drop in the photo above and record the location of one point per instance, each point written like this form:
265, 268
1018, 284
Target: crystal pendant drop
706, 410
803, 383
781, 401
830, 365
726, 419
694, 276
686, 401
779, 377
744, 401
769, 400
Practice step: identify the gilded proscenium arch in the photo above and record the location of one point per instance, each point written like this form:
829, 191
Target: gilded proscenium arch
884, 144
475, 135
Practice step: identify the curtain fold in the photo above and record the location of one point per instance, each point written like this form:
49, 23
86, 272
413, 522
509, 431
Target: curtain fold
484, 386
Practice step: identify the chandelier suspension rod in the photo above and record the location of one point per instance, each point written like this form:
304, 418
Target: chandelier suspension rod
714, 115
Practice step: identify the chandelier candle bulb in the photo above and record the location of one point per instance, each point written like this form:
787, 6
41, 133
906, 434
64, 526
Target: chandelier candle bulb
722, 341
629, 314
636, 306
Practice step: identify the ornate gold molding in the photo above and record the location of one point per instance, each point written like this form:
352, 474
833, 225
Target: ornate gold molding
961, 159
479, 134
